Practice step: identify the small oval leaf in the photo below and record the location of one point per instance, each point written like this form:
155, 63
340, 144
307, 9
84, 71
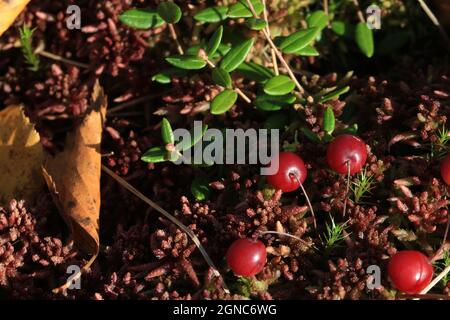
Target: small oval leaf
364, 39
154, 155
334, 95
221, 77
256, 24
298, 40
188, 62
279, 85
241, 10
317, 19
223, 102
200, 189
236, 55
308, 51
273, 103
214, 42
165, 76
254, 71
141, 19
167, 132
312, 136
339, 27
195, 136
328, 120
212, 14
170, 12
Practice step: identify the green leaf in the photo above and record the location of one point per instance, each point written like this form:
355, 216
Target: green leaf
167, 132
241, 9
256, 24
193, 50
236, 55
298, 40
254, 71
200, 189
170, 12
223, 102
339, 27
312, 136
328, 120
195, 137
221, 77
276, 121
212, 14
188, 62
353, 129
214, 42
273, 103
308, 51
141, 19
165, 76
154, 155
279, 85
364, 39
223, 49
334, 95
317, 19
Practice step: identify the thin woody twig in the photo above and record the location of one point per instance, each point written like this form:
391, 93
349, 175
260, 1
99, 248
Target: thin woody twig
358, 11
40, 51
170, 217
277, 52
435, 21
173, 33
436, 280
272, 51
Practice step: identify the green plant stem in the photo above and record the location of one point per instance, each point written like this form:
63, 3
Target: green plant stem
277, 52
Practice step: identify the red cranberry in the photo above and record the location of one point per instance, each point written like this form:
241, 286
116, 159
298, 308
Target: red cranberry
410, 271
346, 148
291, 172
445, 169
246, 257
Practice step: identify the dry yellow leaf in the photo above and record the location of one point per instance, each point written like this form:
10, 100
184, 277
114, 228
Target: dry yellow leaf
73, 176
9, 10
21, 156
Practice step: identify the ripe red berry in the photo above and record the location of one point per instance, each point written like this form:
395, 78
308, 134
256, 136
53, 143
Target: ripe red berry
410, 271
346, 148
291, 172
445, 169
246, 257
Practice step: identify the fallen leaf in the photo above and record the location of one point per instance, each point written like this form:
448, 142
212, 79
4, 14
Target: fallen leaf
21, 156
9, 10
73, 176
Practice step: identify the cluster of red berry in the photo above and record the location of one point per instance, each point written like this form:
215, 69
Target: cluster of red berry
409, 271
